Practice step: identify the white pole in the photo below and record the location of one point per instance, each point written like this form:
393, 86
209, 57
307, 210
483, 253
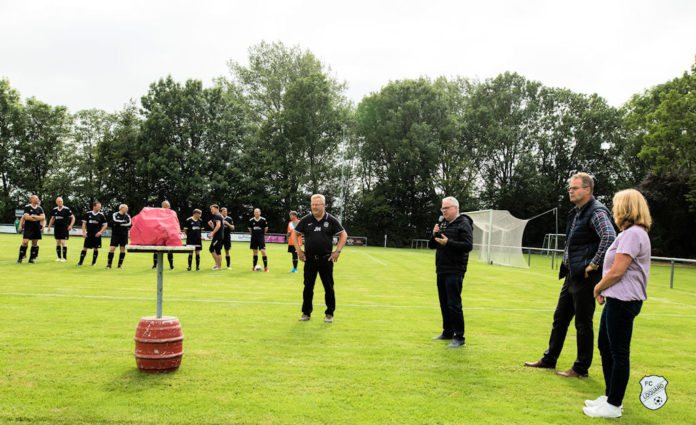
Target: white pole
490, 235
385, 241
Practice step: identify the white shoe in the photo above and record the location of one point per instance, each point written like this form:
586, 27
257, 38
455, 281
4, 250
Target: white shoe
602, 399
63, 260
59, 259
229, 268
604, 410
215, 268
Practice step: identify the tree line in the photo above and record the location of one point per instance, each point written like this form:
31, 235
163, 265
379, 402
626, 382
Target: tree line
280, 128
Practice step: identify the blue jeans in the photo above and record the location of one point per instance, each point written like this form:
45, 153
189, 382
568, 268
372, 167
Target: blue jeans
614, 343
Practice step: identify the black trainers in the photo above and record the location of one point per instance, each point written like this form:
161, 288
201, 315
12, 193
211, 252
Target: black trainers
108, 267
457, 342
188, 269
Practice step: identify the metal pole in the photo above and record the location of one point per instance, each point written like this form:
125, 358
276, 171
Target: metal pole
529, 260
385, 241
490, 235
671, 277
160, 285
555, 238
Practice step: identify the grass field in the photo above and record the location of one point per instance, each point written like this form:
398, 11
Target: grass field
66, 344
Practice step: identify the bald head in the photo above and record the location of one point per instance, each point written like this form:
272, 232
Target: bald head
34, 200
165, 204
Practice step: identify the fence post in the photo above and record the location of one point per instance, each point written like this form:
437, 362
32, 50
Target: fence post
529, 259
671, 277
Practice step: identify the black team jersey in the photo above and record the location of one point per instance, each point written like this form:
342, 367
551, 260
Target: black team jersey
258, 228
61, 217
318, 235
219, 234
121, 223
33, 226
94, 221
228, 232
193, 231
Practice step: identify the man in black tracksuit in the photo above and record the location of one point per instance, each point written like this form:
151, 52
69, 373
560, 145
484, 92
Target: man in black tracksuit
453, 239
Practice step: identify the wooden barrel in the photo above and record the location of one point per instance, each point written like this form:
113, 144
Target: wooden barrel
159, 344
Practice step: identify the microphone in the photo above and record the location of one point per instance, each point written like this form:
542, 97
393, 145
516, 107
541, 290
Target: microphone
442, 223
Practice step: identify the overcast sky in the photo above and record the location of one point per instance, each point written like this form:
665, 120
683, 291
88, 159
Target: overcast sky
100, 54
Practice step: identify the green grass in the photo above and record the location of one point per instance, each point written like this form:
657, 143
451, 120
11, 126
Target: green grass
66, 344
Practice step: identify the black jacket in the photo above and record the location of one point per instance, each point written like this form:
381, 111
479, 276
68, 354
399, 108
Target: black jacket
453, 257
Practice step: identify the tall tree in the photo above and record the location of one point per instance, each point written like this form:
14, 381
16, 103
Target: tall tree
11, 120
299, 111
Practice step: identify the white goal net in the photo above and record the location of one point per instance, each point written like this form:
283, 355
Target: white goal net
498, 237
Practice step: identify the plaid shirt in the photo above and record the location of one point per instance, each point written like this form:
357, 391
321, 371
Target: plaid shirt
600, 223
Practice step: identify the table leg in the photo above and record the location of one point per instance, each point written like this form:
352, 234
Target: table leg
160, 285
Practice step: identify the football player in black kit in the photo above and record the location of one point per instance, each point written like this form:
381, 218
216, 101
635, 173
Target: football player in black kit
61, 215
93, 224
216, 235
192, 227
32, 222
227, 234
258, 228
120, 223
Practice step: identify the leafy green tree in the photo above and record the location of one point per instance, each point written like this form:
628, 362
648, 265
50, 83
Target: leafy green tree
402, 131
91, 128
11, 121
40, 147
298, 112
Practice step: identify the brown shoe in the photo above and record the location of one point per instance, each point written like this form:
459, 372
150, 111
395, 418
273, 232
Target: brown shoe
570, 373
540, 364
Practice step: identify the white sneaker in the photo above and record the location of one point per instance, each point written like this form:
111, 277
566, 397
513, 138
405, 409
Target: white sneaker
602, 399
604, 410
215, 268
59, 259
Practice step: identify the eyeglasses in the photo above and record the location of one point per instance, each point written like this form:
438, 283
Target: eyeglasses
574, 188
446, 208
316, 205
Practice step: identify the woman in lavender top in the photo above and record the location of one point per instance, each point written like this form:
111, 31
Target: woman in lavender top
623, 289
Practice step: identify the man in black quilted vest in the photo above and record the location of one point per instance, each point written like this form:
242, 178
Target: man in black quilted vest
589, 233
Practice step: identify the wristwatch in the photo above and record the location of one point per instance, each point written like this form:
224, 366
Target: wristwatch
338, 250
593, 266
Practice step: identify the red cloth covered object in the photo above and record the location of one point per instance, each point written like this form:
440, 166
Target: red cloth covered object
155, 226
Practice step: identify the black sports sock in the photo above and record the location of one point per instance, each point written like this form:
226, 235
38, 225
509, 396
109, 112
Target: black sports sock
198, 261
190, 258
294, 260
82, 257
256, 260
58, 251
227, 258
265, 262
121, 257
154, 260
170, 257
33, 253
95, 254
22, 252
110, 259
65, 253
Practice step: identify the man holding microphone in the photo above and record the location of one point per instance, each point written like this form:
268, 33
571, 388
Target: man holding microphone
453, 239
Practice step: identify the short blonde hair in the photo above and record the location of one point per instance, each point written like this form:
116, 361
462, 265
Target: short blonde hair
631, 208
319, 196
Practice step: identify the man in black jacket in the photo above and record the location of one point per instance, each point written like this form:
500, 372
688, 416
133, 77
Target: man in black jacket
453, 240
589, 233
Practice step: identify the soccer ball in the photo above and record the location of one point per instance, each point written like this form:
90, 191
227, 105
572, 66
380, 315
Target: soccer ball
258, 267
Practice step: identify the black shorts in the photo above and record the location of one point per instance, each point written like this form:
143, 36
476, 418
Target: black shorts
32, 234
291, 248
93, 242
257, 243
119, 240
195, 243
227, 243
61, 233
215, 246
